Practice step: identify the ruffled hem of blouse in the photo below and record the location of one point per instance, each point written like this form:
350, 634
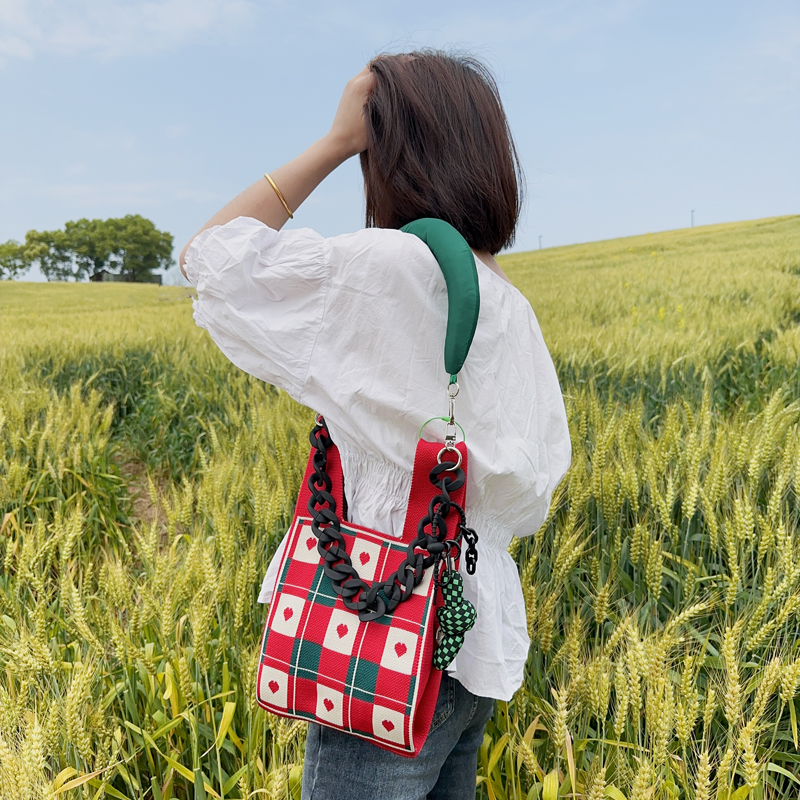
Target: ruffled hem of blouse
191, 265
375, 489
373, 471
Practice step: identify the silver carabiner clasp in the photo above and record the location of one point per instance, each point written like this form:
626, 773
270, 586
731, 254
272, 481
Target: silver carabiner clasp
452, 545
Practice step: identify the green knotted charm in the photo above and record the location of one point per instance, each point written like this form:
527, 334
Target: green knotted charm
456, 617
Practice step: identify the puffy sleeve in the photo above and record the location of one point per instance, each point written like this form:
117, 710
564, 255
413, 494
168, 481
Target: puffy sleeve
260, 294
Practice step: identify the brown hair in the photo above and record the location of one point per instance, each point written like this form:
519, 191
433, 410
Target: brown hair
439, 146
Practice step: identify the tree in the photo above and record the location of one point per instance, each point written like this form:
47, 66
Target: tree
47, 248
51, 250
12, 260
90, 244
139, 247
130, 245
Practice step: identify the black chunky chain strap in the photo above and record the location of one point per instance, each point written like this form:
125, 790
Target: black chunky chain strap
427, 549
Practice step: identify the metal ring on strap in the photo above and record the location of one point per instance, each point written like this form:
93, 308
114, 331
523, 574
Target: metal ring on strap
456, 464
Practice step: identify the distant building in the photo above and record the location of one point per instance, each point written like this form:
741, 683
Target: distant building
104, 276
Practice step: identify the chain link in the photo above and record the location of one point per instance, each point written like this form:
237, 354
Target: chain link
426, 550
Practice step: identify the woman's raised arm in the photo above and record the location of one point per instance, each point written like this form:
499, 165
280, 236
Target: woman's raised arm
300, 176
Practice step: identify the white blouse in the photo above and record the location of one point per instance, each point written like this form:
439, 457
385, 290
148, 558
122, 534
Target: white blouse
353, 327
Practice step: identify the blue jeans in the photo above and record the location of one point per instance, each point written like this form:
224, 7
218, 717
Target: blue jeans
343, 767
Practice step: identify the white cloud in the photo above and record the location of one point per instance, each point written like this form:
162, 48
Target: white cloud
768, 71
176, 131
87, 195
15, 47
558, 20
783, 45
114, 28
84, 196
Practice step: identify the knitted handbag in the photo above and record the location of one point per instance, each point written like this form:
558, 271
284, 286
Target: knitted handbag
361, 624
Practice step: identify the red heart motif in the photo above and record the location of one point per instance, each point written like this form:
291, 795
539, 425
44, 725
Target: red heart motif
341, 629
273, 686
388, 725
288, 613
310, 542
363, 557
328, 704
400, 649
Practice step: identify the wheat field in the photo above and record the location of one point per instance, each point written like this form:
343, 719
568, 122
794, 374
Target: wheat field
145, 482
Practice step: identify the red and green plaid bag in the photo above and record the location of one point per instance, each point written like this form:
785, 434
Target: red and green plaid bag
319, 661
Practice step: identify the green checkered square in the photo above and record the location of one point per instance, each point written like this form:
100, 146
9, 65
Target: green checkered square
363, 676
305, 657
322, 586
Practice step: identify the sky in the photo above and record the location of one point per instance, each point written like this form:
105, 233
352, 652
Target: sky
627, 114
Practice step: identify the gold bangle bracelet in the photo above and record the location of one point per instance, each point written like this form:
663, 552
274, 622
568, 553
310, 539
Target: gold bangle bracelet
280, 195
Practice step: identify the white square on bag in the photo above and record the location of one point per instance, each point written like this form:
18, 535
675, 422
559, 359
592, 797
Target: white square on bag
388, 724
341, 631
424, 583
305, 548
287, 614
399, 651
329, 705
365, 558
272, 687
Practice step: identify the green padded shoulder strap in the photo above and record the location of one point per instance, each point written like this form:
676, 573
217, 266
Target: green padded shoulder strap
457, 263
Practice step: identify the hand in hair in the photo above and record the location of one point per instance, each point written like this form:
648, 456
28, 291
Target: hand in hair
297, 179
348, 126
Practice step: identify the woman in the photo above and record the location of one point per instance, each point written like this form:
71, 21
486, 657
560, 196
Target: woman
353, 327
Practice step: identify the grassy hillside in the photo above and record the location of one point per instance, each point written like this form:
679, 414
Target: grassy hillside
666, 295
145, 482
649, 314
